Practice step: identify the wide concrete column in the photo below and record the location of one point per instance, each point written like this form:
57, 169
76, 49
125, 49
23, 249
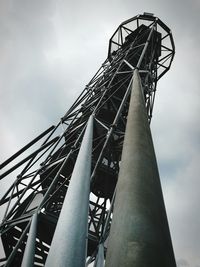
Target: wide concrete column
69, 244
139, 234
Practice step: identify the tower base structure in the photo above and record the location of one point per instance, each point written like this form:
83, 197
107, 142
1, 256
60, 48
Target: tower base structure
59, 189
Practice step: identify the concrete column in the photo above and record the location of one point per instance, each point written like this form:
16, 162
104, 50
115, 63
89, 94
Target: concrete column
139, 234
69, 244
29, 253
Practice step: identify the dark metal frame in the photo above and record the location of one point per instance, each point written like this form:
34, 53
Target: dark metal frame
143, 42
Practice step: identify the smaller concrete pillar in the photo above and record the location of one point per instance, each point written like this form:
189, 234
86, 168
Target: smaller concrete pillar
69, 244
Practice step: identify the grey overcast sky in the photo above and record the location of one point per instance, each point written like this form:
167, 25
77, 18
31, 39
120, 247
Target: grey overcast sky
50, 49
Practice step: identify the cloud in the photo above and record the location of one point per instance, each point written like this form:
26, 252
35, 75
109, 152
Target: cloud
182, 263
176, 134
182, 197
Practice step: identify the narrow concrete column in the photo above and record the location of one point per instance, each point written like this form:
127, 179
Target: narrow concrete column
100, 256
69, 244
29, 253
139, 234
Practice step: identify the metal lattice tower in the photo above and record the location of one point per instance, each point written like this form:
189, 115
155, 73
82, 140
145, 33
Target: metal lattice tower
87, 142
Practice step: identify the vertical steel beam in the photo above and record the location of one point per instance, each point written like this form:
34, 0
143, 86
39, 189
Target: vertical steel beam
69, 243
100, 256
139, 232
29, 253
145, 48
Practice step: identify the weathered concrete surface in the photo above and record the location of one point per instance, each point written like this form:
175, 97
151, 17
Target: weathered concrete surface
140, 234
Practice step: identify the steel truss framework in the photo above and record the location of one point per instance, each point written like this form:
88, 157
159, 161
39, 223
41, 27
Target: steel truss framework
43, 176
